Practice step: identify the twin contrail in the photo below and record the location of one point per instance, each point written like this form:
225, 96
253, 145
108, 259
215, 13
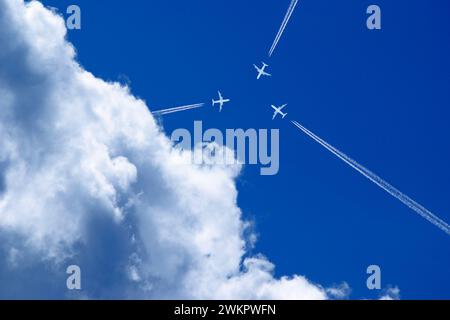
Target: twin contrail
425, 213
177, 109
283, 25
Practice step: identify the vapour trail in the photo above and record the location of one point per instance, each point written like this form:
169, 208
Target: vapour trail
283, 25
178, 109
419, 209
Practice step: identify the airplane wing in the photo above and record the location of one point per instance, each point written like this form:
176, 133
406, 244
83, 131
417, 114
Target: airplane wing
220, 95
281, 108
274, 115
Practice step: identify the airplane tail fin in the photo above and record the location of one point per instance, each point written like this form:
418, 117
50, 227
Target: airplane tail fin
284, 115
212, 102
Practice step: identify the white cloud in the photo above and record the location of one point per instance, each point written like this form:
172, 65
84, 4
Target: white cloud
88, 176
341, 291
391, 293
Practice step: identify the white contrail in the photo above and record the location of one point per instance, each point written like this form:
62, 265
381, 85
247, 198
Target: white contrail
422, 211
178, 109
283, 25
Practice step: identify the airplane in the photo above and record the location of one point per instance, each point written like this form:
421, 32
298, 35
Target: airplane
220, 102
262, 71
278, 111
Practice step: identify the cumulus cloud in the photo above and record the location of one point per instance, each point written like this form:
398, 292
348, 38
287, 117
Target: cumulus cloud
391, 293
87, 177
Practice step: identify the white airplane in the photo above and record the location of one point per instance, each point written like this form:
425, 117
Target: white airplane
278, 111
220, 102
262, 71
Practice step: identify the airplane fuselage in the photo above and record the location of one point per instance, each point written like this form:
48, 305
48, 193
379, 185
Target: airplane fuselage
262, 71
278, 111
220, 102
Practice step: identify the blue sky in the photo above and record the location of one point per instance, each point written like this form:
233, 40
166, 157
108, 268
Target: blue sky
382, 97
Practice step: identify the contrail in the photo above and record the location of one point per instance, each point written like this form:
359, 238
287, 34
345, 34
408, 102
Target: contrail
178, 109
283, 25
422, 211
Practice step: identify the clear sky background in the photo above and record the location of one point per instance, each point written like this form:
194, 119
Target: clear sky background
382, 97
